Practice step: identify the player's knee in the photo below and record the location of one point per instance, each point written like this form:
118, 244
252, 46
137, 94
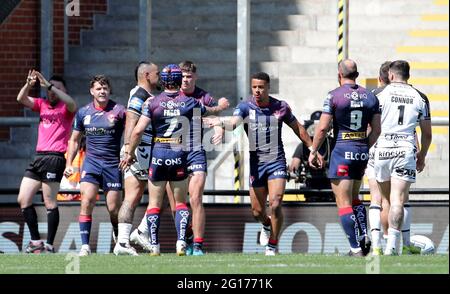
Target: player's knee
50, 203
87, 203
276, 200
196, 201
258, 214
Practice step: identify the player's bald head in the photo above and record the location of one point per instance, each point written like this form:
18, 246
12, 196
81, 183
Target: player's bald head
142, 68
347, 69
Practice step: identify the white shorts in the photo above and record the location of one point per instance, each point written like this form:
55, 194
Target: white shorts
139, 169
395, 162
370, 171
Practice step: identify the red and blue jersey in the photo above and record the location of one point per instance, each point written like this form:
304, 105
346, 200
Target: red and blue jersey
103, 129
263, 127
172, 115
352, 108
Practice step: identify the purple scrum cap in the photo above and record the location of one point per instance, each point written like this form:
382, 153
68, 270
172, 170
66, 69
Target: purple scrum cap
171, 75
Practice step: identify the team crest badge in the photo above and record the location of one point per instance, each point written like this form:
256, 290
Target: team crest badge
277, 114
252, 114
111, 119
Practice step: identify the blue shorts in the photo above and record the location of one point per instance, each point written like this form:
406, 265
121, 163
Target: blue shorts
168, 165
105, 174
348, 161
261, 173
196, 161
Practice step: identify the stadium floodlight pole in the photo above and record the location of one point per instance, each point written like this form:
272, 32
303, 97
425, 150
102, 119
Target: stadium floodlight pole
46, 66
243, 86
145, 28
342, 38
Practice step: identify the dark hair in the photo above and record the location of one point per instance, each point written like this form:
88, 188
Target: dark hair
261, 76
348, 69
136, 70
102, 80
188, 66
58, 79
400, 68
384, 72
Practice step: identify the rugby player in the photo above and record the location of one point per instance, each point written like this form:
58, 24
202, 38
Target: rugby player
264, 116
396, 156
352, 109
102, 122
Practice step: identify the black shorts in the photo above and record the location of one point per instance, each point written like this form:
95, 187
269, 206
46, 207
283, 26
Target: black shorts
47, 167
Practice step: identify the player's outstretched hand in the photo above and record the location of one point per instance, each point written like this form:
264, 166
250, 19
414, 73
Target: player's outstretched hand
315, 161
216, 139
211, 121
128, 159
223, 103
68, 171
43, 81
420, 162
31, 78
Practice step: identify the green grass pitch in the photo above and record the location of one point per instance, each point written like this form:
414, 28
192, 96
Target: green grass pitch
225, 263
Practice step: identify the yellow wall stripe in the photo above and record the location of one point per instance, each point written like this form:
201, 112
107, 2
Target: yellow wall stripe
429, 81
440, 130
429, 33
294, 197
437, 97
443, 113
435, 17
440, 2
429, 65
422, 49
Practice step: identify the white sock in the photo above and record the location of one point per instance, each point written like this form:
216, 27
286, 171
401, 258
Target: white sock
124, 233
143, 226
392, 241
375, 224
406, 226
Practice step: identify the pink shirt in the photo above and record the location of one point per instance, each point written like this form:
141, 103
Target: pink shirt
54, 125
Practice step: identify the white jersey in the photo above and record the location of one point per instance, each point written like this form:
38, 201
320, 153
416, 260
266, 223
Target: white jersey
402, 107
138, 96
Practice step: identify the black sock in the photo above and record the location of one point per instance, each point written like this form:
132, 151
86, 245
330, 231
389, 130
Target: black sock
52, 222
115, 229
29, 213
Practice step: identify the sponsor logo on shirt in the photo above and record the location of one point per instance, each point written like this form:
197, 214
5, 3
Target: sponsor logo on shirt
167, 162
51, 176
384, 155
172, 104
356, 156
353, 135
195, 167
409, 173
279, 173
135, 103
114, 185
395, 137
